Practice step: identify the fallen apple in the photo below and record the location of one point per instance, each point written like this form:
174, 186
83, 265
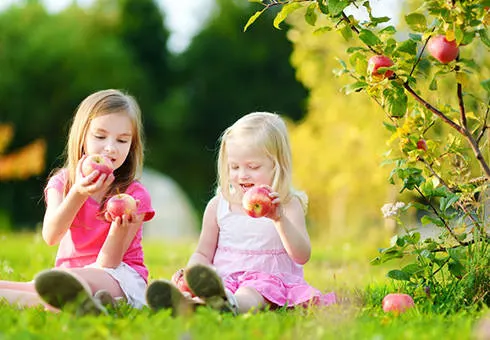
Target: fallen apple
377, 61
397, 303
97, 162
121, 204
443, 50
256, 201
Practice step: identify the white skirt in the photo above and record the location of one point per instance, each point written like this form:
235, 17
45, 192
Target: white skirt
131, 283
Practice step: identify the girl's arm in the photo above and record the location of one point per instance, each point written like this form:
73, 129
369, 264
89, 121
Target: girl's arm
121, 233
208, 239
61, 211
290, 223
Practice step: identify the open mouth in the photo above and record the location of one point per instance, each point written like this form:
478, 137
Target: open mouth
246, 186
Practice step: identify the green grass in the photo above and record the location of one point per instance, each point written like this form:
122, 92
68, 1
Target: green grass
341, 267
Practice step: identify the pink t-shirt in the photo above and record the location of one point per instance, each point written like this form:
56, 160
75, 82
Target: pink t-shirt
82, 242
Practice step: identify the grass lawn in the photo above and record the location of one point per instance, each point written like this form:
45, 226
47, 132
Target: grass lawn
343, 268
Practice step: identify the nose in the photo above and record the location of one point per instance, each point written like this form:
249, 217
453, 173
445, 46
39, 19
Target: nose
243, 174
110, 146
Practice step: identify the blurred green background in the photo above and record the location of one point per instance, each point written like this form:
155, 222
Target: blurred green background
50, 61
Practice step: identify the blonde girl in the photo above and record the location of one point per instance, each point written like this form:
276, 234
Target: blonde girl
243, 263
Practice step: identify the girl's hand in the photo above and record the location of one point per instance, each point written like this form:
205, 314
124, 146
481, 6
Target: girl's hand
92, 183
125, 222
276, 212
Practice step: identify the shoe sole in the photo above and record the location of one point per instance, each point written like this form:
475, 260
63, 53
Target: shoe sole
162, 294
64, 291
205, 283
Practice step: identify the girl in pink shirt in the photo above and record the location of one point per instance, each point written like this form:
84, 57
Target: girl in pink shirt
97, 254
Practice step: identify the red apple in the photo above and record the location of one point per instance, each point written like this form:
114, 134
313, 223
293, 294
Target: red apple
397, 303
443, 50
256, 201
121, 204
182, 285
421, 144
97, 162
377, 61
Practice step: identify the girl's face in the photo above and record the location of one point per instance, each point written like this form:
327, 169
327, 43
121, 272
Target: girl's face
111, 136
247, 165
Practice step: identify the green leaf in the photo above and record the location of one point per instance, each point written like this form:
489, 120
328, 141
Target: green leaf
310, 15
379, 20
252, 19
388, 30
395, 101
433, 84
407, 46
346, 32
416, 21
448, 201
355, 87
426, 219
412, 268
369, 38
257, 1
390, 127
486, 85
484, 37
457, 269
399, 275
323, 7
335, 7
285, 11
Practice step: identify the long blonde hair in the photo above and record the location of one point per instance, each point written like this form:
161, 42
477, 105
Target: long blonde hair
268, 132
98, 104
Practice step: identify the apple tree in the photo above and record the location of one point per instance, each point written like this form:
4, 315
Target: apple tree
431, 77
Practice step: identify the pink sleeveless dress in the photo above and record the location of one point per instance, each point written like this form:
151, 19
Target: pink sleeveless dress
250, 254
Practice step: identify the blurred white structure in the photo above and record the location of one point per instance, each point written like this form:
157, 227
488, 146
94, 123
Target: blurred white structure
175, 217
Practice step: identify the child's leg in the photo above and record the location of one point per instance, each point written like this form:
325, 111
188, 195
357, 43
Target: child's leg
98, 279
249, 299
68, 291
205, 283
21, 297
163, 294
20, 286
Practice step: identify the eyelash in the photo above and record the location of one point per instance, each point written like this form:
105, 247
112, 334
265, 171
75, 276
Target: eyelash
119, 140
255, 167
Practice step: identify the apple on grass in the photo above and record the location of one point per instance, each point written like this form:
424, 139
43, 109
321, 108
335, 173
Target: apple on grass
97, 162
397, 303
121, 204
377, 61
256, 201
443, 50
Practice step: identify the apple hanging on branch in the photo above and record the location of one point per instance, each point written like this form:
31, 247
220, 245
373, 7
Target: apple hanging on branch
121, 204
442, 49
256, 201
377, 61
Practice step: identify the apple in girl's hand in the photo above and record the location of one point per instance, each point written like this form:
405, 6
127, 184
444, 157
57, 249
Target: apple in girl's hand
97, 162
256, 201
121, 204
377, 61
397, 303
182, 285
443, 50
